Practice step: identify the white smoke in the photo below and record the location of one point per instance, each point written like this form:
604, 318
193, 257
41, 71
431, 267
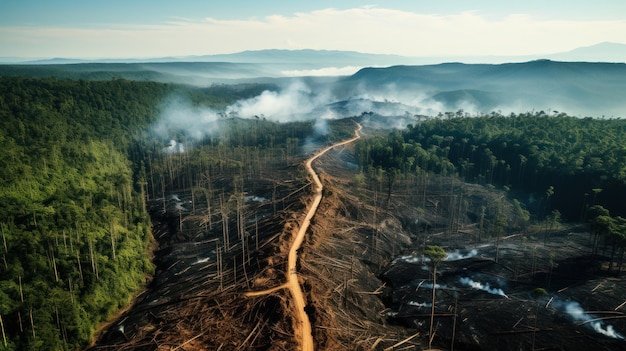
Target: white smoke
437, 286
254, 198
457, 255
418, 99
298, 101
320, 128
294, 103
480, 286
420, 304
450, 256
578, 314
178, 115
411, 259
174, 147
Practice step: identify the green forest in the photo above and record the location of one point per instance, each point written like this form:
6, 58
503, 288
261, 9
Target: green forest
546, 161
73, 219
555, 167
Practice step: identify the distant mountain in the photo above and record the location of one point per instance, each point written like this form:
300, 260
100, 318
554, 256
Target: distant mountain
577, 88
294, 59
487, 101
316, 59
592, 89
603, 52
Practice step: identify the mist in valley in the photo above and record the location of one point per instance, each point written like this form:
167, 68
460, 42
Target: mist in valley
409, 93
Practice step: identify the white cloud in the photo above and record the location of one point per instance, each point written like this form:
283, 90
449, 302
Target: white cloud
365, 29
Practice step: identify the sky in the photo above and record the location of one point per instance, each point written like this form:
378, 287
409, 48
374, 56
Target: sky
421, 28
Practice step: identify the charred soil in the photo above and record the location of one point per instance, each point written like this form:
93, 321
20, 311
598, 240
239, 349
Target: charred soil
365, 282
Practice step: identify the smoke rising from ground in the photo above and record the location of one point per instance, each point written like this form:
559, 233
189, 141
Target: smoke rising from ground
578, 314
320, 128
299, 101
419, 304
179, 115
295, 102
456, 255
174, 147
480, 286
450, 256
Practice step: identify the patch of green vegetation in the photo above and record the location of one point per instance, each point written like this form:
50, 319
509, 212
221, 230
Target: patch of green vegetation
74, 229
549, 162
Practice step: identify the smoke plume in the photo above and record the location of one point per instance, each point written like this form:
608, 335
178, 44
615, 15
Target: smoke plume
296, 102
456, 255
419, 304
174, 147
178, 115
480, 286
578, 314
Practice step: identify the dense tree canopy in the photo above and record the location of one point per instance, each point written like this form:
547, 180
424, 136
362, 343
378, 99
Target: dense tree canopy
73, 222
551, 161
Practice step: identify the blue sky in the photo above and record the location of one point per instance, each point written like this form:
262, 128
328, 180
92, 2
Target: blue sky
124, 29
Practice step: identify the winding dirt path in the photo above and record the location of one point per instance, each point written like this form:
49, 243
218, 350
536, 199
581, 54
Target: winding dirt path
292, 274
303, 325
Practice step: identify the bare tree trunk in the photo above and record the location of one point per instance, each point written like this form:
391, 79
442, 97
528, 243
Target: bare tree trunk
4, 336
113, 239
19, 279
456, 302
32, 323
19, 319
432, 308
80, 267
220, 267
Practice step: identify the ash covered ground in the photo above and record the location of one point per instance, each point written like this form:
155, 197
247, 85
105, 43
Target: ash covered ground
489, 305
367, 284
481, 303
195, 299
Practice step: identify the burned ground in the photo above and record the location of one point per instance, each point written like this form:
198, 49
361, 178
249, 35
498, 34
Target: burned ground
195, 300
365, 281
365, 267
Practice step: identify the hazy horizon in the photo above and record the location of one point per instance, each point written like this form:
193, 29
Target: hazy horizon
146, 29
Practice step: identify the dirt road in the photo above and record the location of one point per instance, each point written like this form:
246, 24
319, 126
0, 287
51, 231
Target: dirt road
304, 334
303, 326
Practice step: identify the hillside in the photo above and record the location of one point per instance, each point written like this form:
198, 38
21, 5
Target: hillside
360, 265
592, 89
577, 88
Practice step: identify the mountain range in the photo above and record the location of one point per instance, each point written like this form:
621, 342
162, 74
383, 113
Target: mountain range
579, 88
315, 59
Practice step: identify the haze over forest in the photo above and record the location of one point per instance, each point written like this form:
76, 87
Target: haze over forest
321, 81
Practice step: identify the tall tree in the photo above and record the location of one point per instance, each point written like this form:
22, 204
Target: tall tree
436, 254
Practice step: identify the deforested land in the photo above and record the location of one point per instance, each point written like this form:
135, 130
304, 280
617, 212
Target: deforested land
145, 215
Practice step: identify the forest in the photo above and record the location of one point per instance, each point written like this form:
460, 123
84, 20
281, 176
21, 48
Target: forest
76, 233
82, 167
554, 167
549, 162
